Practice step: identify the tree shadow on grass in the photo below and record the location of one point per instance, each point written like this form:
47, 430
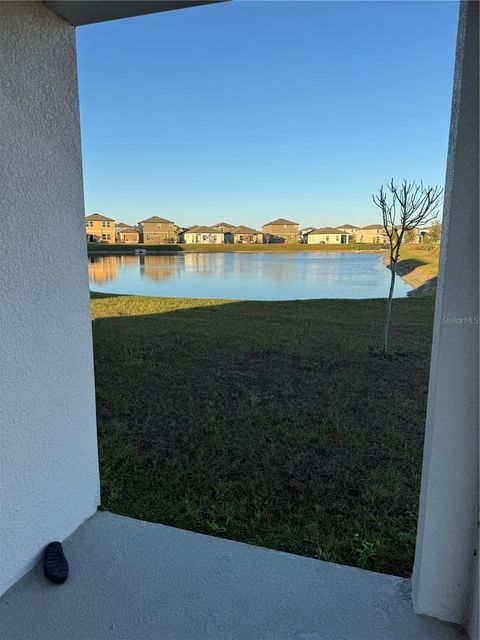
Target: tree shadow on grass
267, 423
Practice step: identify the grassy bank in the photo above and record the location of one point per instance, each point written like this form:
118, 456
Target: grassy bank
419, 268
274, 423
215, 248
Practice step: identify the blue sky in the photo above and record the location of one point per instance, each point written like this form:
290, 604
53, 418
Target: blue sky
248, 111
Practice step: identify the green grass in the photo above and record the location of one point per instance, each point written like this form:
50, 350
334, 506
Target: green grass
273, 423
415, 256
419, 268
215, 248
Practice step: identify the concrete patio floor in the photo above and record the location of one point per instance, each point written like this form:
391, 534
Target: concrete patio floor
131, 579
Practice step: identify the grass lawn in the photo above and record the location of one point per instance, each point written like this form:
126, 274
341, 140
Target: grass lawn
419, 267
273, 423
417, 256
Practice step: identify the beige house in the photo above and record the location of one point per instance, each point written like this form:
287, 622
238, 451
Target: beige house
371, 234
202, 235
223, 226
99, 228
351, 229
304, 232
280, 230
156, 230
421, 233
244, 235
126, 234
327, 235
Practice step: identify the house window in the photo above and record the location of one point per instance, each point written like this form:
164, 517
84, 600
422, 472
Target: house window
159, 225
105, 223
337, 238
89, 223
327, 238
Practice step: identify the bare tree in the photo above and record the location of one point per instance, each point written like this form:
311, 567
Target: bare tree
404, 207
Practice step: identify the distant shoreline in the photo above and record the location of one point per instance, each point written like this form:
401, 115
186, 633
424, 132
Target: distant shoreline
114, 249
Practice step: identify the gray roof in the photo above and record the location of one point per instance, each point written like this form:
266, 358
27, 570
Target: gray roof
280, 221
327, 230
223, 224
242, 229
98, 216
200, 229
156, 219
128, 230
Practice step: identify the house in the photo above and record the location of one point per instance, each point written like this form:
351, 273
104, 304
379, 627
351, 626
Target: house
226, 228
351, 229
99, 228
327, 235
49, 453
303, 233
126, 234
156, 230
371, 234
223, 226
420, 234
202, 235
244, 235
280, 230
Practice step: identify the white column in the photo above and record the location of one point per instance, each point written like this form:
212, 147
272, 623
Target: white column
447, 541
49, 466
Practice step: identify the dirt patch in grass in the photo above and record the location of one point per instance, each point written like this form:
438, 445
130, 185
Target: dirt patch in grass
273, 423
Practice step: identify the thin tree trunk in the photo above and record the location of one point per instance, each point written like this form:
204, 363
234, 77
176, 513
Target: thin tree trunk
389, 308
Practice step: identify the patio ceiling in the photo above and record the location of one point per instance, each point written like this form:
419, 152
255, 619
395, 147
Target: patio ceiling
81, 12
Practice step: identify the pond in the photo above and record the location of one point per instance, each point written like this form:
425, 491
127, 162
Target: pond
245, 276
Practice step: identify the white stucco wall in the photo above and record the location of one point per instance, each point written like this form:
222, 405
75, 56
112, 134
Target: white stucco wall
49, 469
190, 238
447, 541
321, 238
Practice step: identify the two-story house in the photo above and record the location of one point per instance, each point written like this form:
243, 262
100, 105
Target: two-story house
99, 228
280, 230
351, 229
225, 227
371, 234
156, 230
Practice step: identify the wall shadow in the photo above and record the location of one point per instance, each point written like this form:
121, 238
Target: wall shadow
265, 422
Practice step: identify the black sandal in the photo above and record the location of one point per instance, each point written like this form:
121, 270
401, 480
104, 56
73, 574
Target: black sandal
55, 565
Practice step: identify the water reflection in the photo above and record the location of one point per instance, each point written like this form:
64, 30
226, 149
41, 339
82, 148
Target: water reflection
157, 267
247, 276
101, 271
204, 263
